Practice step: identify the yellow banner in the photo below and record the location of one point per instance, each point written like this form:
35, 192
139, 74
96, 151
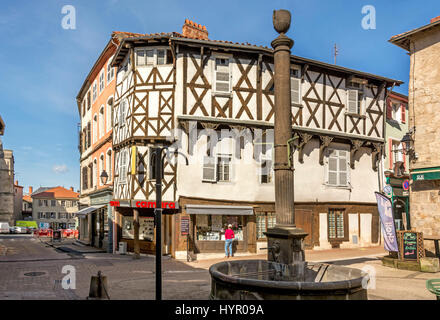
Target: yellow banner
133, 159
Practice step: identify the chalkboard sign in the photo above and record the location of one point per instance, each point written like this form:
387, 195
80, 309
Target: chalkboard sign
411, 245
184, 226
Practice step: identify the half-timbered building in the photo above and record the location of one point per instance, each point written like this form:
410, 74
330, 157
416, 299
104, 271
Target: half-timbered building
213, 101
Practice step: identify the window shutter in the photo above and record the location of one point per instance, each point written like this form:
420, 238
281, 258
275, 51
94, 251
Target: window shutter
403, 112
122, 113
209, 169
391, 155
332, 168
123, 167
343, 168
389, 109
352, 101
222, 75
295, 90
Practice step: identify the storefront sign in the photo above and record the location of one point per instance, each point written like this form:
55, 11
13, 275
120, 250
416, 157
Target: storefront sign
425, 174
184, 226
148, 204
411, 245
386, 217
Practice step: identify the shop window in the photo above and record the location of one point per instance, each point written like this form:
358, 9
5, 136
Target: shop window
146, 228
213, 227
336, 228
264, 221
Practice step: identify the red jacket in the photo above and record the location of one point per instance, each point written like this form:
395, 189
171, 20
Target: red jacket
229, 234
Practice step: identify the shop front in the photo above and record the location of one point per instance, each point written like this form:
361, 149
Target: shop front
209, 223
101, 220
124, 226
400, 200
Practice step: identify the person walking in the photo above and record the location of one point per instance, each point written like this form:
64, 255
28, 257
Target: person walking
229, 237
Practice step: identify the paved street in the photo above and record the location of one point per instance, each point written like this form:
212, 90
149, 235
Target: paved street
21, 256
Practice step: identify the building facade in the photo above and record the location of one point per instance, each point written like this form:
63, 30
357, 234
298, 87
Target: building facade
213, 101
396, 162
423, 46
95, 106
6, 181
18, 201
55, 208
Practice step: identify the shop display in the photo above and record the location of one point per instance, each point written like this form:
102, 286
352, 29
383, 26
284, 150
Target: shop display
212, 227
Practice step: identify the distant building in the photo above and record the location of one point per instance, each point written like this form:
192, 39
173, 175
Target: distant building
27, 206
423, 46
6, 181
55, 207
18, 201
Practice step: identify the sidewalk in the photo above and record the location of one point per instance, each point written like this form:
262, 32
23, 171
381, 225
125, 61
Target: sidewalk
72, 246
311, 256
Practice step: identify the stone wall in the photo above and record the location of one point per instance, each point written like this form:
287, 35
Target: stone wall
6, 185
424, 97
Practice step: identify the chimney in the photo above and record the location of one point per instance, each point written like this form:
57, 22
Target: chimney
30, 190
16, 182
193, 30
71, 188
435, 19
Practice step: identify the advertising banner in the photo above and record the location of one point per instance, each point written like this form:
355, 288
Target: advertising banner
387, 221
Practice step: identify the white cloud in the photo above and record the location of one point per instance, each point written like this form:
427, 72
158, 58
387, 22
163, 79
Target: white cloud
61, 168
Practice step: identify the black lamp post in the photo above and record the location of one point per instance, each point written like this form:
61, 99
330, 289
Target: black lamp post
104, 177
408, 141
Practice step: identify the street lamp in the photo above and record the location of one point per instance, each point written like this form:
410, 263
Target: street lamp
104, 177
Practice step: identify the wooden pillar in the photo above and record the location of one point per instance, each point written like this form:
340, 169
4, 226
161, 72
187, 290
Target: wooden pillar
136, 233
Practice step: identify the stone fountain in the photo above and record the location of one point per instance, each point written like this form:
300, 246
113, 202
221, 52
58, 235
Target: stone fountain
285, 274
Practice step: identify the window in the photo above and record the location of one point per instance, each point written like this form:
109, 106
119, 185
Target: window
95, 172
101, 81
53, 203
95, 128
397, 151
89, 103
355, 97
222, 75
144, 57
265, 220
90, 175
123, 167
109, 165
63, 203
123, 112
53, 215
89, 134
212, 227
110, 71
336, 229
146, 228
108, 115
84, 107
95, 91
223, 169
266, 169
397, 112
46, 203
295, 86
337, 168
40, 215
152, 57
84, 178
101, 121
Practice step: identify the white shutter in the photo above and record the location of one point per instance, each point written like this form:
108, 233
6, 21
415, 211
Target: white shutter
332, 169
295, 91
122, 112
343, 168
352, 101
123, 167
222, 75
209, 169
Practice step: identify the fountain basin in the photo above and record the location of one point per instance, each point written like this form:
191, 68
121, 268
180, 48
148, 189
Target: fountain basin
267, 280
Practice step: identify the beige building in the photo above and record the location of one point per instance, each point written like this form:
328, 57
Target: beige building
55, 208
423, 46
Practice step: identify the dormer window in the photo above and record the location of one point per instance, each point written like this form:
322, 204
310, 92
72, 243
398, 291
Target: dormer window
153, 57
222, 75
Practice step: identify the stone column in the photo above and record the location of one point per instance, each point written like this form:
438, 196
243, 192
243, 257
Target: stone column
285, 241
136, 233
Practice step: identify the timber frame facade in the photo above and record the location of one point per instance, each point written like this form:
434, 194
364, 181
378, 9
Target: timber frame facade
179, 86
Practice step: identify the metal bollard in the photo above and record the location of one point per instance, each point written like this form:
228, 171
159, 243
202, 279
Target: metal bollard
98, 287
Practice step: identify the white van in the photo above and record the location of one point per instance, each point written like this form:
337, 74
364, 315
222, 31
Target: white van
4, 227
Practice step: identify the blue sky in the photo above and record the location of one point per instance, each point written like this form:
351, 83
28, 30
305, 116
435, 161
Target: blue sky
43, 65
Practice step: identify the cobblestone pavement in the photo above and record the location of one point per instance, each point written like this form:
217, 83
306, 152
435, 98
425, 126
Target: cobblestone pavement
135, 279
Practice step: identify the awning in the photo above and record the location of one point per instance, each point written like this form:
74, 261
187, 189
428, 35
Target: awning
425, 174
221, 210
84, 212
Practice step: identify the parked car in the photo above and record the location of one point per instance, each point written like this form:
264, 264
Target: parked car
4, 227
17, 229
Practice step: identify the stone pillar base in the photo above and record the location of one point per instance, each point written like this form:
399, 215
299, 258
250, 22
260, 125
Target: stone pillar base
285, 244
